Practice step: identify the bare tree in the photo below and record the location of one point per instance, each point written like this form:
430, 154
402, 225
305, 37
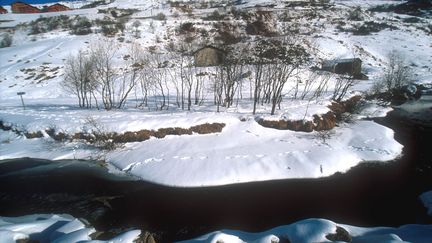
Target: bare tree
281, 58
218, 86
158, 73
199, 86
105, 75
323, 84
130, 74
397, 72
343, 83
79, 80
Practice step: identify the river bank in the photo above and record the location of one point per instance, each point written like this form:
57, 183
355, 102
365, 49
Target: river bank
370, 194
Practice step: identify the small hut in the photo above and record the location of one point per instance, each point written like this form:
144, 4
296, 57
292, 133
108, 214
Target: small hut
56, 8
21, 8
3, 10
350, 66
209, 56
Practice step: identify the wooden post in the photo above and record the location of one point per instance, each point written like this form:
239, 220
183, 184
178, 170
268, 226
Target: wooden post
22, 100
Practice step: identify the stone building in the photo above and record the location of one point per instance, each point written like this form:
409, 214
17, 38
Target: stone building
350, 66
209, 56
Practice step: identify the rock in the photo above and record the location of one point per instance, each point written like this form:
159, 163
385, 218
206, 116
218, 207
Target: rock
145, 237
340, 235
27, 241
325, 122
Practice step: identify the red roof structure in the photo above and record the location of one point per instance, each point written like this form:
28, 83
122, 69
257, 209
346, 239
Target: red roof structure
20, 7
3, 10
56, 8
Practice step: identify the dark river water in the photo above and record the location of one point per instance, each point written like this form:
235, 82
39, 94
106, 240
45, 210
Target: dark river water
370, 194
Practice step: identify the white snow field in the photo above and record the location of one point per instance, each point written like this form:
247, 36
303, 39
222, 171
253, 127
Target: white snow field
244, 151
54, 228
316, 230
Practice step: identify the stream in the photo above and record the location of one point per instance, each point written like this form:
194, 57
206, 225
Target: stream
370, 194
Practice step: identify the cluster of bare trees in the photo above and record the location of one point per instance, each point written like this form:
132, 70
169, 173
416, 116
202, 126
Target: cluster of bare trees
100, 79
94, 74
274, 63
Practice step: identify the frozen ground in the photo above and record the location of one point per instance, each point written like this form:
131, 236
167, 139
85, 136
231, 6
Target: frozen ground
243, 151
54, 228
316, 230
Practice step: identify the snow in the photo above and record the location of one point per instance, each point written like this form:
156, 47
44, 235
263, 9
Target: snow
65, 228
243, 151
246, 151
426, 199
53, 228
315, 230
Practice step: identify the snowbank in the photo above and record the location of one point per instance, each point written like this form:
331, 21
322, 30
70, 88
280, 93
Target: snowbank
426, 198
53, 228
246, 151
316, 230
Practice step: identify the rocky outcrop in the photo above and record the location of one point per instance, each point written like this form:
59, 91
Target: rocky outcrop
320, 122
126, 137
340, 235
347, 106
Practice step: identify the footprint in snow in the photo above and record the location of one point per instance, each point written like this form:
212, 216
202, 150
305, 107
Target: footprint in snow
152, 160
130, 166
259, 155
185, 158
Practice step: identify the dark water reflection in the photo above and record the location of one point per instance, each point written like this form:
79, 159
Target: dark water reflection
370, 194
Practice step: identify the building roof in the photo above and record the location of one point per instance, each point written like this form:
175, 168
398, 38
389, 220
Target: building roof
26, 4
208, 46
330, 63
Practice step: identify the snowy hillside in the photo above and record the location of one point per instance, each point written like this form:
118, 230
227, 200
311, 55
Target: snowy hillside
148, 41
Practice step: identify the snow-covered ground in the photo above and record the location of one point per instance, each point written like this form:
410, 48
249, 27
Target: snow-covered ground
316, 230
426, 198
244, 151
65, 228
54, 228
